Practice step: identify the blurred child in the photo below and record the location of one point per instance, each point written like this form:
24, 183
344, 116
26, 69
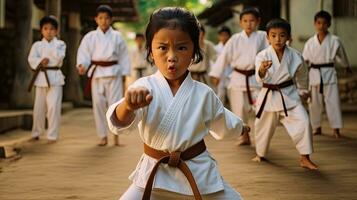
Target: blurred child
321, 52
46, 58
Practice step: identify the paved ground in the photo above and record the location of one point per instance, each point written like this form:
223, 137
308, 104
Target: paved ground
75, 168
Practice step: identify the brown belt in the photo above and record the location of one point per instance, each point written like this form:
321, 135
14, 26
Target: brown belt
174, 159
247, 74
96, 63
200, 76
273, 87
319, 66
37, 71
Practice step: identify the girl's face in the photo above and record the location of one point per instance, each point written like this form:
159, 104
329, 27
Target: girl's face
278, 37
172, 52
103, 21
321, 25
249, 23
48, 31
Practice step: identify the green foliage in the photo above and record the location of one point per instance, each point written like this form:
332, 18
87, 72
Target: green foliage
145, 8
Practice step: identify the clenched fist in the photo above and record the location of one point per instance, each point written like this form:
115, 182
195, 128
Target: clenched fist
136, 98
264, 66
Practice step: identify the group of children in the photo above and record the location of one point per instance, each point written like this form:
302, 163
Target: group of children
174, 113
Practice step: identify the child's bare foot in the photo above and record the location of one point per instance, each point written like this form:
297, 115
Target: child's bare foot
51, 141
336, 133
34, 139
116, 141
318, 131
258, 159
103, 142
243, 140
305, 162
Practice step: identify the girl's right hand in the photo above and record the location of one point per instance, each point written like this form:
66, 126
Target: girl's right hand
265, 65
136, 98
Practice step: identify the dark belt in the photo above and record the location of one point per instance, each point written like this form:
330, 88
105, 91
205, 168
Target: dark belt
96, 63
174, 159
39, 69
319, 66
273, 87
247, 74
200, 76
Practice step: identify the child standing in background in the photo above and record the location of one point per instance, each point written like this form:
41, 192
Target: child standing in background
322, 52
46, 58
104, 55
239, 53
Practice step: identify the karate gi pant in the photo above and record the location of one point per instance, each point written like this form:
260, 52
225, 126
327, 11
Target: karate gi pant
48, 101
136, 193
331, 98
240, 103
105, 92
296, 123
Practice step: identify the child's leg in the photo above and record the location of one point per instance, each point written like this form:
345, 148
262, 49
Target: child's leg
39, 112
264, 131
114, 92
99, 102
136, 193
333, 106
315, 109
54, 102
298, 127
240, 106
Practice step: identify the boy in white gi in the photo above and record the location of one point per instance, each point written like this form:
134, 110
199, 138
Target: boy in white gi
224, 33
239, 53
140, 66
199, 70
283, 73
174, 113
321, 52
45, 58
104, 52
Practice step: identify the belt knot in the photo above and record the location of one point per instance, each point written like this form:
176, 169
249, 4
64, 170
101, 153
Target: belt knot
175, 159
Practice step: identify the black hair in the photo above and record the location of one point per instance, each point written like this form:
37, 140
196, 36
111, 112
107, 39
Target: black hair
104, 9
139, 35
172, 18
225, 29
250, 10
323, 14
279, 23
50, 19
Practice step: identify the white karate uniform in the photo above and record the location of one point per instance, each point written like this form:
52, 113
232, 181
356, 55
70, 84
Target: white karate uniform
224, 79
239, 52
209, 56
329, 51
175, 123
296, 123
47, 99
107, 82
138, 61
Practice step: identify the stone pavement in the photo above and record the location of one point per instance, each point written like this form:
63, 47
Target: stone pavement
75, 168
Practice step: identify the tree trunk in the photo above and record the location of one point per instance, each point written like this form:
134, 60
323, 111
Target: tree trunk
19, 97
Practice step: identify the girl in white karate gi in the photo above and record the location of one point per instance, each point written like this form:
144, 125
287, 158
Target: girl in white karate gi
283, 73
46, 58
174, 113
239, 53
104, 56
321, 52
